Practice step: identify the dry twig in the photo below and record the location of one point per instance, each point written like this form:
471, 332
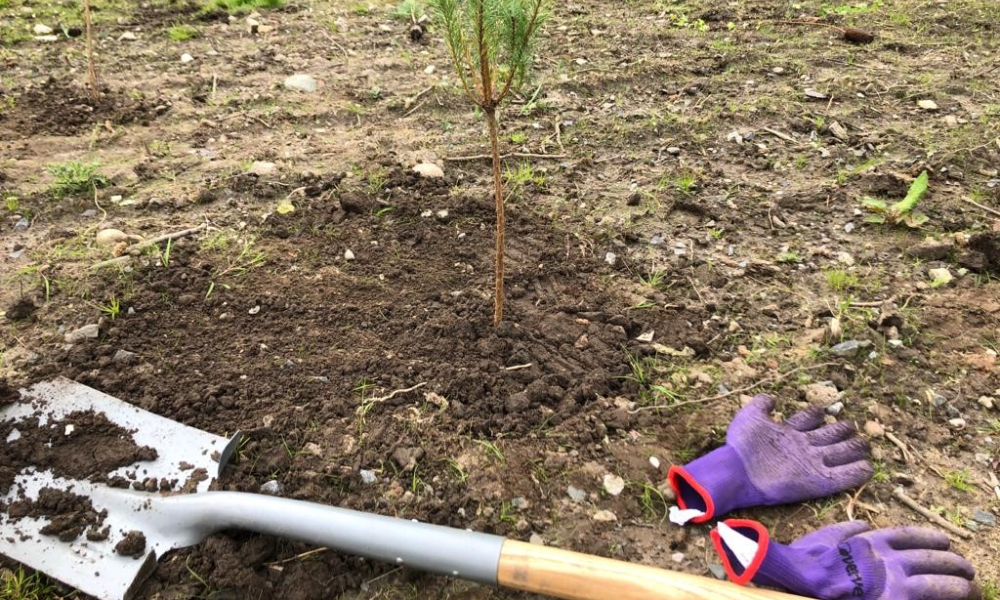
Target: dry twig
935, 518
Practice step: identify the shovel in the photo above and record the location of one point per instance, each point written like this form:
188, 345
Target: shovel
169, 521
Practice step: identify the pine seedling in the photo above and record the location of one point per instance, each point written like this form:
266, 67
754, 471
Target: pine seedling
490, 42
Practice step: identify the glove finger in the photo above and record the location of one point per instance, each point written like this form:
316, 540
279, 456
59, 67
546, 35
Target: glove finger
831, 434
762, 404
936, 562
807, 420
914, 538
832, 535
937, 587
852, 475
845, 453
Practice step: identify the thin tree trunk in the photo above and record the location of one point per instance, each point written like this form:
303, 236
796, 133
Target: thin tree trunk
91, 69
491, 119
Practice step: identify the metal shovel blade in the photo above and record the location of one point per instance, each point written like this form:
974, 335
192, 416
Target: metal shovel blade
184, 454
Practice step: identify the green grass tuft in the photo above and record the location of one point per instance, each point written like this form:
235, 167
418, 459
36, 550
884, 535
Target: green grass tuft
242, 6
73, 177
183, 32
20, 585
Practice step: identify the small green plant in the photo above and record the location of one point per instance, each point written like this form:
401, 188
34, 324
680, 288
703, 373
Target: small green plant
460, 474
241, 6
653, 279
73, 177
493, 450
160, 148
519, 178
20, 585
112, 309
182, 32
518, 137
408, 10
959, 480
881, 475
13, 203
789, 257
840, 280
686, 183
654, 505
165, 255
990, 590
490, 42
902, 212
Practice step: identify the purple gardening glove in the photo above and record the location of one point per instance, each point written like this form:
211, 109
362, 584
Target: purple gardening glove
847, 561
764, 463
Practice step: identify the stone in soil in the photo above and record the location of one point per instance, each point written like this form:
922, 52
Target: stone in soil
87, 332
984, 518
133, 545
22, 309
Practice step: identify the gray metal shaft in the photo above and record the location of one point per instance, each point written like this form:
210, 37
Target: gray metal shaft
433, 548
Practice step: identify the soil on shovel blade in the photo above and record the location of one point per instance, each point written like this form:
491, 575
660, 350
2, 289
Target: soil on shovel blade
68, 514
82, 446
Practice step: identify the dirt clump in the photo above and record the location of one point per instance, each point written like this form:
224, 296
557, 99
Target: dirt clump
57, 107
82, 445
68, 514
133, 544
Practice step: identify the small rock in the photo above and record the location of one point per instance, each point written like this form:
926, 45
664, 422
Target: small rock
536, 539
875, 430
22, 225
348, 255
110, 237
428, 170
186, 58
654, 462
823, 394
46, 38
951, 121
253, 311
576, 494
520, 503
128, 36
84, 333
262, 168
987, 402
927, 104
522, 526
407, 458
815, 94
717, 570
673, 150
367, 477
845, 258
611, 258
605, 516
850, 347
985, 518
940, 276
271, 488
835, 409
839, 131
613, 484
124, 357
40, 29
301, 83
849, 227
677, 557
778, 70
957, 423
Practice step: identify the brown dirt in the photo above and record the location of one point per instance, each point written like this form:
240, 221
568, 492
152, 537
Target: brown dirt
133, 544
95, 448
739, 253
58, 107
68, 514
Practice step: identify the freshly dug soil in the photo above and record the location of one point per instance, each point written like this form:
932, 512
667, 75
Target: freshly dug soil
93, 449
68, 514
133, 544
63, 108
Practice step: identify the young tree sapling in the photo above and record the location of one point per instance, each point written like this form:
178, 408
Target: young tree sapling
490, 42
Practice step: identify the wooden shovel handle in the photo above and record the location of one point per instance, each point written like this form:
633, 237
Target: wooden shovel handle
574, 576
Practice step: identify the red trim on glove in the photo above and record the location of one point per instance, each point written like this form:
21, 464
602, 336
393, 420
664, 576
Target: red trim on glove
674, 476
763, 540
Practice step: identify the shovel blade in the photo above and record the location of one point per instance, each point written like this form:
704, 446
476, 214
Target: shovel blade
185, 454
